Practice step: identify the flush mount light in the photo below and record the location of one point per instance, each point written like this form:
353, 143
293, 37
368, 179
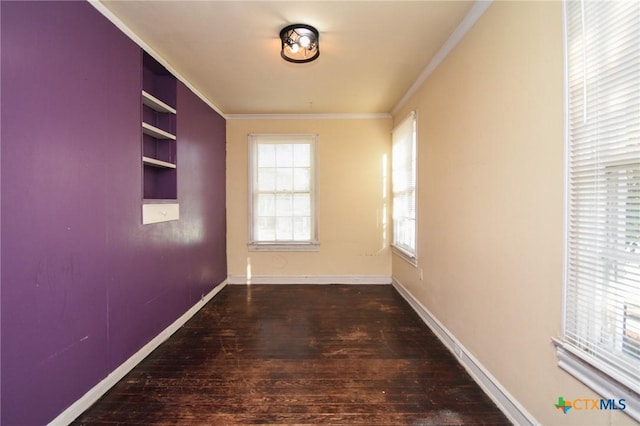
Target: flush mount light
299, 43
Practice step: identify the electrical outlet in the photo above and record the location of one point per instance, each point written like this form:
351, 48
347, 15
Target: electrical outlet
421, 274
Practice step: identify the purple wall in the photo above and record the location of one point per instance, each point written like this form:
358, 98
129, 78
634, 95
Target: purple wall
84, 284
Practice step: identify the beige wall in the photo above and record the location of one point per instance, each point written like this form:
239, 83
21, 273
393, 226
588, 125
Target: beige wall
490, 190
351, 203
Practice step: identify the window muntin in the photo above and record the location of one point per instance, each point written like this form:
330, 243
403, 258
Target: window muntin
282, 201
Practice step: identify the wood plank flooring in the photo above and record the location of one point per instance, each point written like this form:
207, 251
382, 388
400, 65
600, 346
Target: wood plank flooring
299, 354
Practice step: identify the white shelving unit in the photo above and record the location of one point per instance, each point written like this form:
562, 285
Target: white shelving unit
159, 139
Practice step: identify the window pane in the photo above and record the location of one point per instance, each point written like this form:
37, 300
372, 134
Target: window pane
284, 155
301, 179
264, 228
266, 179
301, 228
284, 229
266, 155
284, 205
302, 155
266, 205
302, 205
284, 179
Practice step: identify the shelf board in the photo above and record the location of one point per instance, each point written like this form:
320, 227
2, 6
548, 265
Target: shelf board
156, 104
156, 132
158, 163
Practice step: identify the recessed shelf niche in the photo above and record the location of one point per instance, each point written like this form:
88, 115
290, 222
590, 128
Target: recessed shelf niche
159, 129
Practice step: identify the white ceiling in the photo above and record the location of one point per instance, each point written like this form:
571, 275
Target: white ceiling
371, 52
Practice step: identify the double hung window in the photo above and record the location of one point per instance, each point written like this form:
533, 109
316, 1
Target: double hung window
403, 175
283, 192
602, 257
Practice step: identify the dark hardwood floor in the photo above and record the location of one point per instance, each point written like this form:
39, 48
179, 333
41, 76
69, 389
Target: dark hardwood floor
299, 354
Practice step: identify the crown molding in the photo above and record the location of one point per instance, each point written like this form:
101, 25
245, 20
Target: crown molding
97, 4
477, 10
326, 116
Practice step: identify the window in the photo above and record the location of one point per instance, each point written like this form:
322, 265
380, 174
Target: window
602, 276
403, 177
283, 192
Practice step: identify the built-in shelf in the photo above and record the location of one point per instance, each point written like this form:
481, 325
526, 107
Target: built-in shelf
158, 163
159, 142
156, 104
157, 133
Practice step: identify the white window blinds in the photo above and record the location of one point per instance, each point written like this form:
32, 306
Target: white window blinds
404, 185
602, 288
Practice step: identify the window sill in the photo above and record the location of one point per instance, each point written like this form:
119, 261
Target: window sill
284, 246
596, 379
405, 255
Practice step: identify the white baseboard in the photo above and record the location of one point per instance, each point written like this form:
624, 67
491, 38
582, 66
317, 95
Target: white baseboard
310, 279
81, 405
503, 399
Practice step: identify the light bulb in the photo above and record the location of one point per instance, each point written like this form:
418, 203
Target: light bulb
305, 41
294, 47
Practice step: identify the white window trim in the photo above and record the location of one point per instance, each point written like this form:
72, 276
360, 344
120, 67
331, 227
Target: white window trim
291, 246
599, 379
591, 372
401, 252
405, 255
294, 246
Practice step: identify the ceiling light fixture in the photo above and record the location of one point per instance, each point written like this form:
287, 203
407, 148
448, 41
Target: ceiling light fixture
300, 43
